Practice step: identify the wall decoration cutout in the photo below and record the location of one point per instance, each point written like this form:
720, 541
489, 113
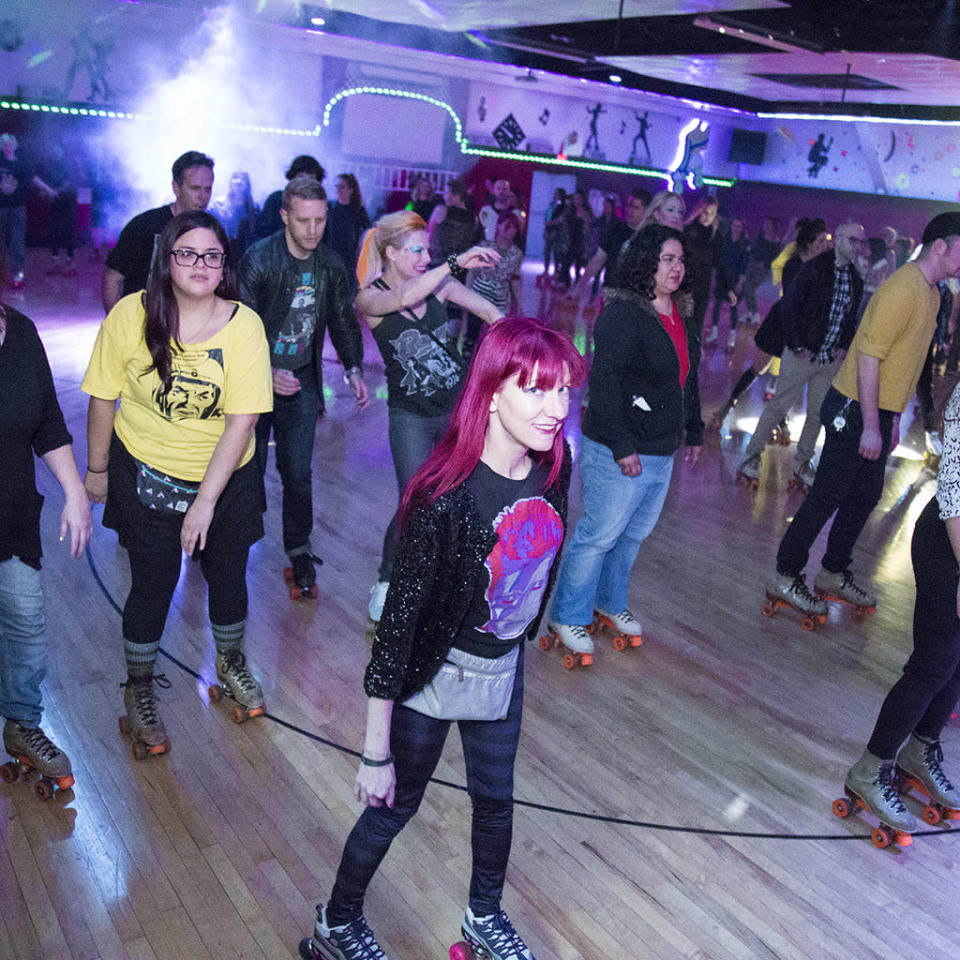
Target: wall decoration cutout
641, 136
509, 134
687, 166
817, 157
592, 147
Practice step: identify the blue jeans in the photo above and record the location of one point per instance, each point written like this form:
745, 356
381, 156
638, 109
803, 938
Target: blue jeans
23, 642
416, 742
294, 422
412, 439
13, 232
619, 513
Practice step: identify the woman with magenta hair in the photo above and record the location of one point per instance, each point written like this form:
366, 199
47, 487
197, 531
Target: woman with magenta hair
403, 303
644, 403
482, 523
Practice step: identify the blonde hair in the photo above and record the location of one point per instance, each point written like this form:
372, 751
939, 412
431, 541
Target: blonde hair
388, 231
655, 204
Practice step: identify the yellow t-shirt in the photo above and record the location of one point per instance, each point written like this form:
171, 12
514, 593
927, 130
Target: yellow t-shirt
177, 432
896, 328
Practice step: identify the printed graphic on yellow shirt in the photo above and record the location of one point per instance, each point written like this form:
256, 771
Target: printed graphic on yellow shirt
197, 389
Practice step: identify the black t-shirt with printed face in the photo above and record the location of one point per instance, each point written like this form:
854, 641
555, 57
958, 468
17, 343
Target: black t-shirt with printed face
424, 375
133, 252
529, 533
293, 347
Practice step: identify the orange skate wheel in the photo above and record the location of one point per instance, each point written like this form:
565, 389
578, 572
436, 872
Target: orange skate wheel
903, 839
858, 614
10, 772
586, 659
636, 641
44, 788
569, 661
768, 609
843, 807
808, 623
256, 711
619, 642
288, 575
238, 714
950, 813
295, 592
139, 750
215, 692
871, 610
65, 783
881, 838
932, 814
124, 725
545, 642
159, 748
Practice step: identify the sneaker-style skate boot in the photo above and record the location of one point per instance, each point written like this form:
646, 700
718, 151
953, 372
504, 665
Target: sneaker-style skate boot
378, 597
803, 477
493, 937
32, 749
710, 340
575, 638
870, 785
352, 941
301, 576
626, 628
842, 588
792, 593
142, 721
239, 684
918, 766
748, 473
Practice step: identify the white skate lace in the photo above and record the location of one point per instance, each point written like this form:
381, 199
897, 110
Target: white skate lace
500, 938
143, 699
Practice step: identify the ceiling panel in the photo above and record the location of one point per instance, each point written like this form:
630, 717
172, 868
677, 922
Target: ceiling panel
495, 14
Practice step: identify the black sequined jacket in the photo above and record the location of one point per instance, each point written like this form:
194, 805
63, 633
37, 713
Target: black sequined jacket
442, 553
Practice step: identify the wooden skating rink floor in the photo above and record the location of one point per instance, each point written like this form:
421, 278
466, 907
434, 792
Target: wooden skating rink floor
674, 801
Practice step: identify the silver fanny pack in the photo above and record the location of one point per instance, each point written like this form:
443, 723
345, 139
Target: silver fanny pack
468, 687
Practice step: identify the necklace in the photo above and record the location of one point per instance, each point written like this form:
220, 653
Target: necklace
195, 335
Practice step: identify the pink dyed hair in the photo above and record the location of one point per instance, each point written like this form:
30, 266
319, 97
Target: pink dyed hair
516, 346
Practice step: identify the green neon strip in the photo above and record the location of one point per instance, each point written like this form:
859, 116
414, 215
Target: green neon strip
465, 148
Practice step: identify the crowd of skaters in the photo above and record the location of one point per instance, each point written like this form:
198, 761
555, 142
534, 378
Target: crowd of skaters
413, 276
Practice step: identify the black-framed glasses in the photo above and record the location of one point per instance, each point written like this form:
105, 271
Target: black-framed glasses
213, 259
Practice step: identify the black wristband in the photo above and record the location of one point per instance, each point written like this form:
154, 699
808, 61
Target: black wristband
367, 762
454, 264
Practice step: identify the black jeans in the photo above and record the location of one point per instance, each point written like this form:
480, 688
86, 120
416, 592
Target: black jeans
845, 483
922, 699
416, 741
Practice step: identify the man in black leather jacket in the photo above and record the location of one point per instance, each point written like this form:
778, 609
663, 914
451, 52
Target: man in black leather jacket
299, 287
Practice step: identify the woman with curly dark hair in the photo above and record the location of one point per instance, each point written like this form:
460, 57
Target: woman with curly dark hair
174, 461
643, 399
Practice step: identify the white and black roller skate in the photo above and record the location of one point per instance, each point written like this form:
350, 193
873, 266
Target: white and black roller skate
493, 937
352, 941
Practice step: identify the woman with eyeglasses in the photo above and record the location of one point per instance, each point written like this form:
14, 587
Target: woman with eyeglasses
402, 301
173, 462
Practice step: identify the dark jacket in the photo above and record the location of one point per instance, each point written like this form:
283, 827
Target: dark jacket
268, 278
637, 404
806, 305
442, 555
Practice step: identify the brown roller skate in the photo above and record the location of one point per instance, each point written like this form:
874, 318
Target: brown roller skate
32, 749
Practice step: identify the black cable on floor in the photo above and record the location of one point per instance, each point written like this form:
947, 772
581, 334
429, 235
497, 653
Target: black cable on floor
531, 804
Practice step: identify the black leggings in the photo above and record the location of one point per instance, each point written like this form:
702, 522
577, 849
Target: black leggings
922, 699
416, 741
154, 577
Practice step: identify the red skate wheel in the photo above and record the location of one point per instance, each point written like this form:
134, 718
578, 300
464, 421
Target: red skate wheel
124, 725
139, 750
545, 642
288, 575
65, 783
858, 614
215, 692
312, 592
619, 642
932, 814
768, 609
843, 807
295, 593
569, 661
461, 951
808, 623
10, 772
44, 788
238, 714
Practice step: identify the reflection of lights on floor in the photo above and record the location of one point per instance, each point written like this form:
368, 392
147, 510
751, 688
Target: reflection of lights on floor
907, 453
